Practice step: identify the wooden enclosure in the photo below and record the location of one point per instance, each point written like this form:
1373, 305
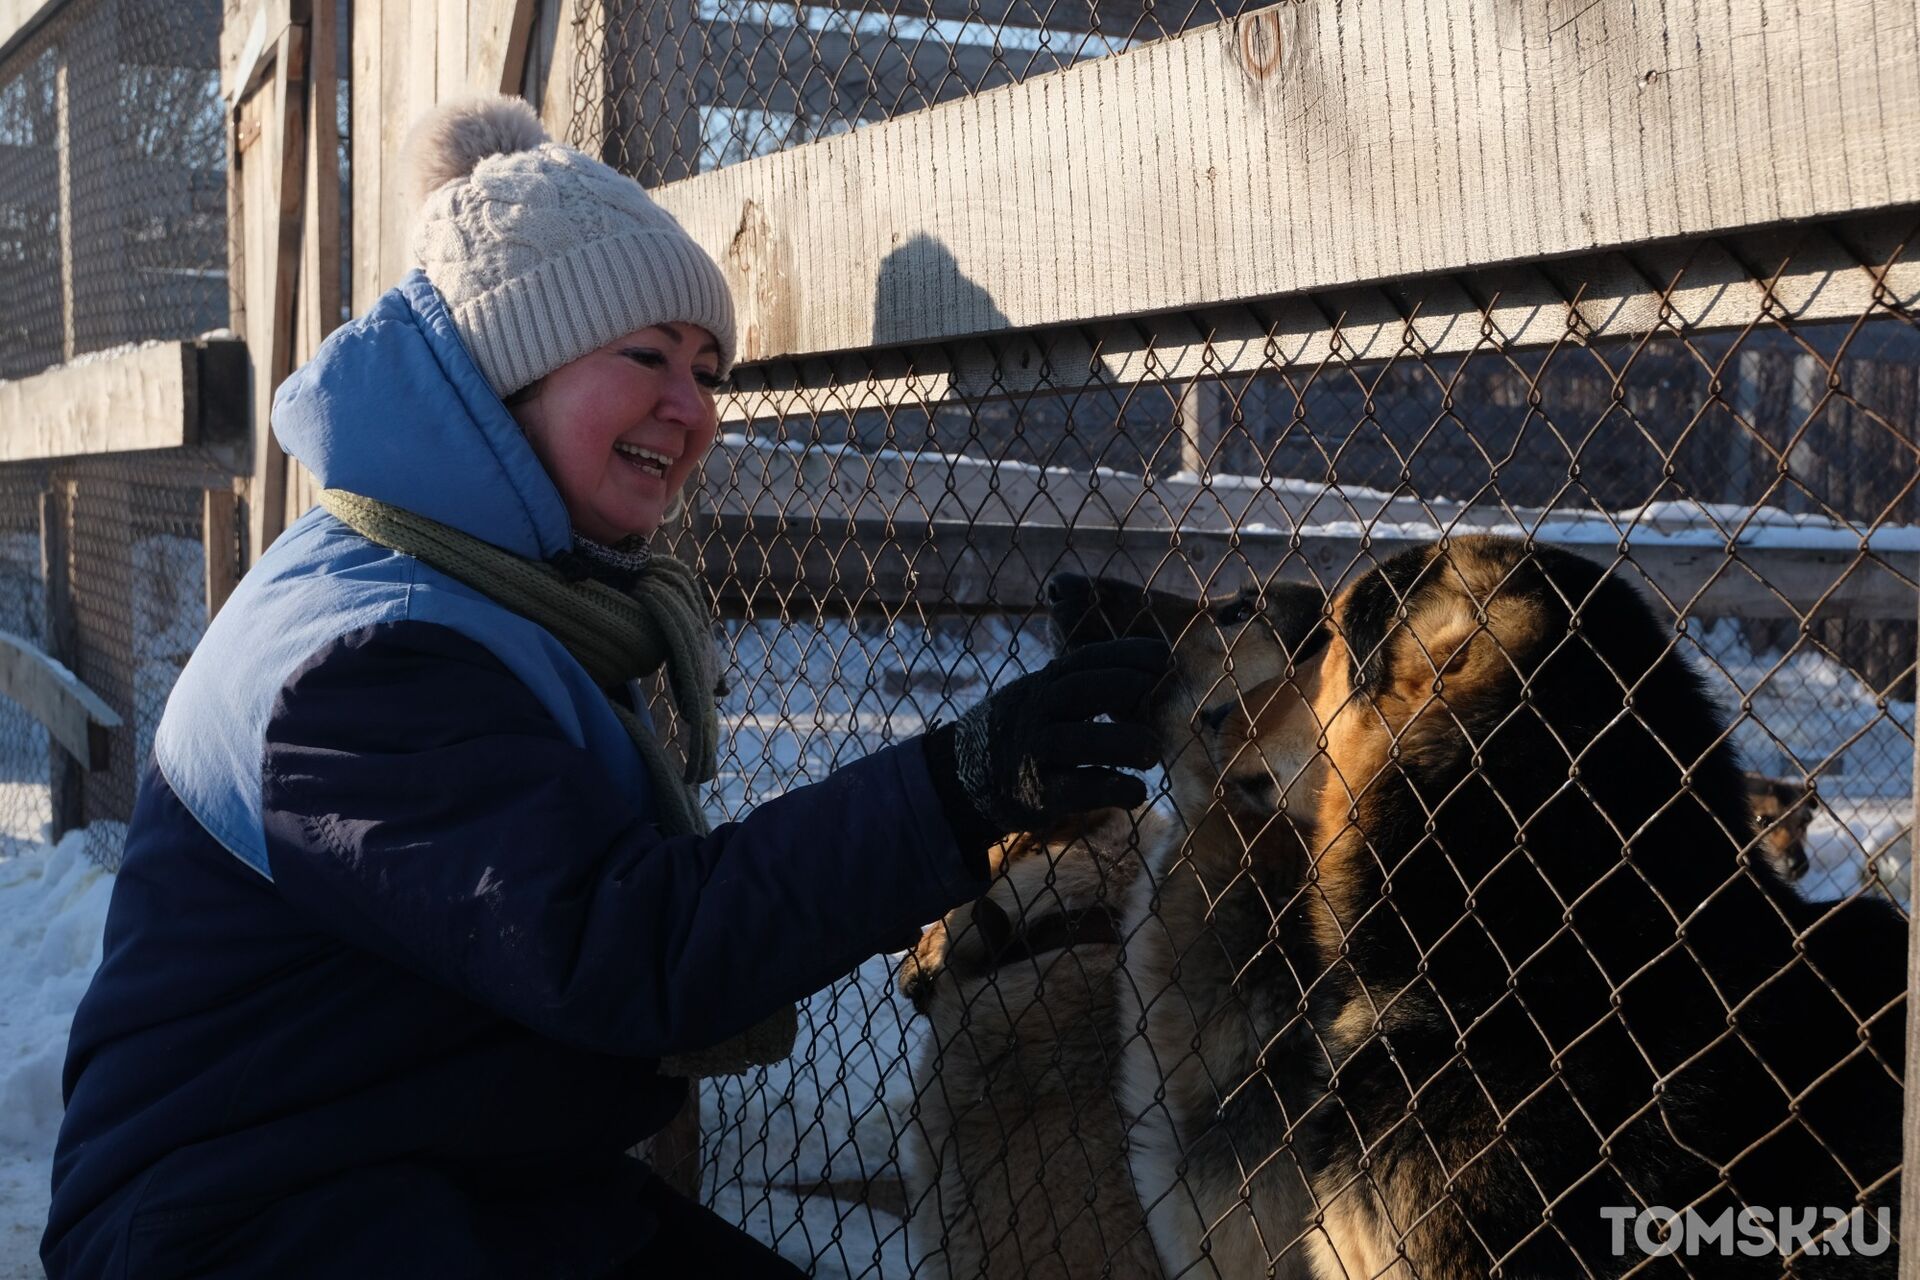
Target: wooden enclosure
1025, 286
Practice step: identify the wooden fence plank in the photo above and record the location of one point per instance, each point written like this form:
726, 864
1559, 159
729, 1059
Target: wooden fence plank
802, 565
272, 164
935, 531
1797, 274
1328, 130
369, 160
500, 37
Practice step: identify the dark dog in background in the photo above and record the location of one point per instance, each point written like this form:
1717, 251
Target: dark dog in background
1783, 810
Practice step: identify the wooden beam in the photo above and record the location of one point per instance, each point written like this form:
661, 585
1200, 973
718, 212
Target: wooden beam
368, 158
937, 530
1795, 275
74, 715
1312, 146
804, 565
164, 395
831, 73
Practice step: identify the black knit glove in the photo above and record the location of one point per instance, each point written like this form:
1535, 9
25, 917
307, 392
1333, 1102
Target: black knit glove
1030, 754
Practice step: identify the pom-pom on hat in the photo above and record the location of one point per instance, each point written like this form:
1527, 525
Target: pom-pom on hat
543, 253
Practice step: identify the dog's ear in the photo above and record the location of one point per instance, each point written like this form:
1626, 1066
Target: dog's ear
1436, 633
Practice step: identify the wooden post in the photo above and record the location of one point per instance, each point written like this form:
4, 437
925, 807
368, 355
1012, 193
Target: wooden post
1910, 1151
64, 774
1197, 419
220, 536
270, 173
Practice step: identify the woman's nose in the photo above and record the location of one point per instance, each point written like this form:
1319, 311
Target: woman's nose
683, 401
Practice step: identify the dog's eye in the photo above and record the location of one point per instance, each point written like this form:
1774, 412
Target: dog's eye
1240, 611
1260, 788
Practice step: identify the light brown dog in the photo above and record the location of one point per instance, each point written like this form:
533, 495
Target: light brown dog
1214, 1073
1016, 1157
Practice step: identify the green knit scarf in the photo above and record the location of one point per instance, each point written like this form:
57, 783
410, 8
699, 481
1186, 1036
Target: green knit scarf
617, 637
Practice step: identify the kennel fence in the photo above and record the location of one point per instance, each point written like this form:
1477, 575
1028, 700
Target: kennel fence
1728, 423
113, 233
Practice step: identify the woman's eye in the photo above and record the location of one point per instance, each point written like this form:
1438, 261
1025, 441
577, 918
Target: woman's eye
711, 381
644, 358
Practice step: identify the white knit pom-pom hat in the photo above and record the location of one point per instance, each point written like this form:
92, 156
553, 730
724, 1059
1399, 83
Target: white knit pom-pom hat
543, 253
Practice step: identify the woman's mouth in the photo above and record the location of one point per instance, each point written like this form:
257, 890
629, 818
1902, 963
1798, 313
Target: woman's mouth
650, 461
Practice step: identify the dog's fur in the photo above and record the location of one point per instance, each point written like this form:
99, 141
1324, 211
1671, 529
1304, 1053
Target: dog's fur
1783, 810
1212, 1078
1016, 1161
1557, 980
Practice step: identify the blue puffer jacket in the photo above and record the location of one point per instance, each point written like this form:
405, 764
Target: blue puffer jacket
395, 947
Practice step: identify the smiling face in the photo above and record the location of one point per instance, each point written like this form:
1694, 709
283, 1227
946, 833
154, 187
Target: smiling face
622, 429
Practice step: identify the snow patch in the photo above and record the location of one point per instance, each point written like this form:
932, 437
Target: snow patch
53, 908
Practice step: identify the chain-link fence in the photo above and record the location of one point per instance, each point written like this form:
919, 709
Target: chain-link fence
1452, 927
113, 232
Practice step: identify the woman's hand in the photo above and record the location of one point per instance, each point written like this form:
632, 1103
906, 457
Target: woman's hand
1032, 753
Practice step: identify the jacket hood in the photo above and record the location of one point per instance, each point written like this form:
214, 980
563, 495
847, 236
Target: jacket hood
392, 407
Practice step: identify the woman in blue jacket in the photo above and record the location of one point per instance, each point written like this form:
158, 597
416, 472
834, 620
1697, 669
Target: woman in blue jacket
417, 931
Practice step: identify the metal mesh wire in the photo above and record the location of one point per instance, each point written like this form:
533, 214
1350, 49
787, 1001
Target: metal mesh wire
113, 210
691, 87
120, 236
881, 534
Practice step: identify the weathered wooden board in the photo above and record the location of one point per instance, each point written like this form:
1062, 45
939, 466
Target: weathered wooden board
1801, 274
74, 715
803, 566
500, 32
406, 58
940, 531
1315, 145
159, 396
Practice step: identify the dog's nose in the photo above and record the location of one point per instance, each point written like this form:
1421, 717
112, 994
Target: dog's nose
1064, 587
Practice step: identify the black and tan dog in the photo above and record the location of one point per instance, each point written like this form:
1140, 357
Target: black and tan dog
1784, 810
1558, 985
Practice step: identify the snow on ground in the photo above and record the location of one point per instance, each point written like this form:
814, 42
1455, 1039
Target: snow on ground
53, 905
